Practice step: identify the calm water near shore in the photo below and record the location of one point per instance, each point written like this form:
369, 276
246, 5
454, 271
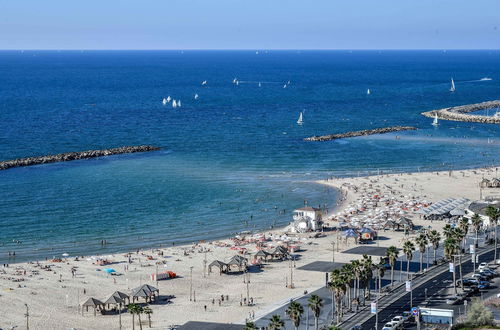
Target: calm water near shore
232, 160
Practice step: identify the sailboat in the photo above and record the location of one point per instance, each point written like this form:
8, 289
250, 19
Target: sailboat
179, 103
452, 88
164, 101
285, 85
174, 104
169, 99
300, 120
196, 96
235, 80
260, 84
204, 82
435, 121
368, 92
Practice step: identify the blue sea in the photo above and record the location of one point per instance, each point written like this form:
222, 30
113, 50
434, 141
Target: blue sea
232, 160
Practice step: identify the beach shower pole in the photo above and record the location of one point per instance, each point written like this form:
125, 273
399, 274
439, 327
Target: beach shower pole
191, 284
333, 252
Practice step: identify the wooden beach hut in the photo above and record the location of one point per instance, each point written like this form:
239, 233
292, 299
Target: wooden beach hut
261, 254
146, 292
96, 304
280, 252
223, 267
239, 262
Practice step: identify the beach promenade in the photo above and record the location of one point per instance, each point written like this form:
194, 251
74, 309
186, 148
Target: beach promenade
53, 289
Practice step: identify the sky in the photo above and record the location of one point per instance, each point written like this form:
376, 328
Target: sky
249, 24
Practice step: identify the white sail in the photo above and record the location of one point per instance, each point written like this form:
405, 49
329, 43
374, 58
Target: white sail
164, 101
435, 121
300, 120
368, 92
179, 103
196, 96
452, 88
174, 104
284, 86
204, 82
235, 80
169, 99
260, 84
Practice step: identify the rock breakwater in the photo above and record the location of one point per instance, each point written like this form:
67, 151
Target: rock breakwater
460, 113
360, 133
69, 156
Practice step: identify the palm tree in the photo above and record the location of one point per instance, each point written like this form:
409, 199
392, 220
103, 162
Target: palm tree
450, 248
494, 214
460, 237
337, 285
422, 242
135, 309
148, 311
392, 254
477, 223
250, 326
356, 269
380, 268
348, 277
315, 304
434, 238
294, 312
367, 267
447, 231
408, 248
464, 224
276, 323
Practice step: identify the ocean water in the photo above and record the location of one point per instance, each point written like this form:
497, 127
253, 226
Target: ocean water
232, 160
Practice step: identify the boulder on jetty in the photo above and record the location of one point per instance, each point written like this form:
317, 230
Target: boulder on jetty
360, 133
459, 113
69, 156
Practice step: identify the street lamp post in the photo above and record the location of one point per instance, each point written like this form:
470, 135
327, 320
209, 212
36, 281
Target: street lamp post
333, 252
27, 317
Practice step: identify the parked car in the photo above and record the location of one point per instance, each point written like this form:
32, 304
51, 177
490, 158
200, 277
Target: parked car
472, 290
356, 327
469, 282
454, 300
407, 315
483, 285
390, 326
488, 271
479, 277
482, 265
399, 320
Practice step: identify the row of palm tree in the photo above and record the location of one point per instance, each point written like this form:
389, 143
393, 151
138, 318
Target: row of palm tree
294, 311
136, 309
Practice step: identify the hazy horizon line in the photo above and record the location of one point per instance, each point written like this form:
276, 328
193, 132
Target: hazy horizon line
250, 49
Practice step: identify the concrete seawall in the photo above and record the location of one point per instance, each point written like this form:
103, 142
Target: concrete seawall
69, 156
459, 113
360, 133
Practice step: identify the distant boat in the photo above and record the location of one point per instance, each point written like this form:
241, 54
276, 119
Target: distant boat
435, 121
164, 101
285, 85
288, 82
452, 87
204, 82
260, 84
485, 79
179, 103
174, 104
169, 99
300, 120
196, 96
235, 81
368, 92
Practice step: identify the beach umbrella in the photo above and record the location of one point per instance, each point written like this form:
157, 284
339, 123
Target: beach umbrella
109, 270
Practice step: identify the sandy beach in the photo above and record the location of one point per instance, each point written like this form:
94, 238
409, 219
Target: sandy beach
54, 290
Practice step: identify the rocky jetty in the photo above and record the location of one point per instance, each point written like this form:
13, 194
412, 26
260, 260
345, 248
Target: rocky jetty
460, 113
360, 133
69, 156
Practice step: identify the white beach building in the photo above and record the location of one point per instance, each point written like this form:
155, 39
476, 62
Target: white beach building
306, 219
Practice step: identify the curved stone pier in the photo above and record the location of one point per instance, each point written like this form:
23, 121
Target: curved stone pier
459, 113
69, 156
360, 133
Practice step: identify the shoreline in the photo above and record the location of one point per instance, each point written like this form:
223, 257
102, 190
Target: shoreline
322, 182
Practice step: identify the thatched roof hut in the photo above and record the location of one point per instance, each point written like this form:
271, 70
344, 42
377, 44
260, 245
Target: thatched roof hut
96, 304
223, 267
